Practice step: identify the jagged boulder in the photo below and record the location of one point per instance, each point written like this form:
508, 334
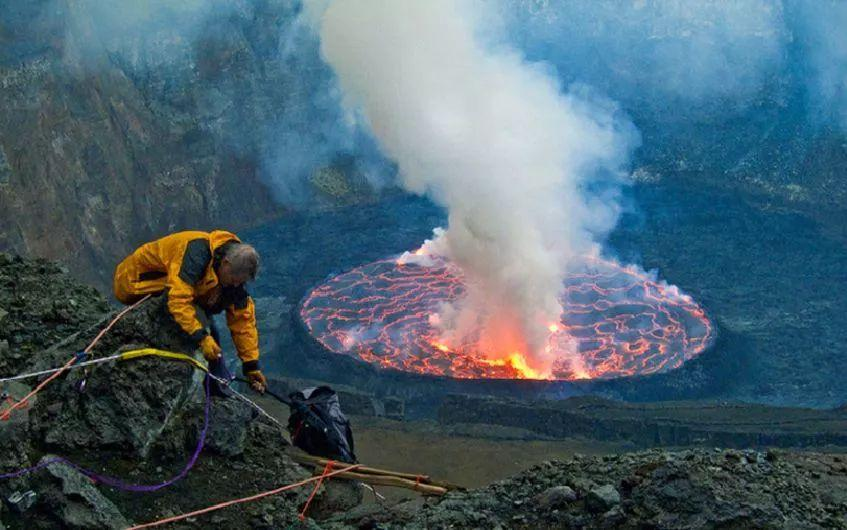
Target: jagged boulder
76, 502
131, 406
555, 497
602, 499
229, 426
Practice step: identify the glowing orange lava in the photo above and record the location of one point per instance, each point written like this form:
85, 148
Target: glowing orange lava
517, 362
622, 322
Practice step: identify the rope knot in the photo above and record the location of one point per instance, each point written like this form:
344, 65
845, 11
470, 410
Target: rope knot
327, 470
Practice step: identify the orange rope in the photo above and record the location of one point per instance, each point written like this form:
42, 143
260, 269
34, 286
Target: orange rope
23, 401
241, 500
327, 469
113, 322
10, 402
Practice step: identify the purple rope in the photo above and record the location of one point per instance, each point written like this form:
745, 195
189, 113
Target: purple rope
118, 483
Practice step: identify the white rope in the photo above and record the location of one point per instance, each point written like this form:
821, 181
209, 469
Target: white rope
220, 380
86, 350
54, 370
247, 400
377, 494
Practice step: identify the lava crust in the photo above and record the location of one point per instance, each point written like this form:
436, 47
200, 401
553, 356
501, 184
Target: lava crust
622, 321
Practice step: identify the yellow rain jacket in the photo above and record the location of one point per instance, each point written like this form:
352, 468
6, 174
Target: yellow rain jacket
183, 265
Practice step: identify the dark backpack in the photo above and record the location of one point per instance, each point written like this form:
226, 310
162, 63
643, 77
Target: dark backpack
318, 426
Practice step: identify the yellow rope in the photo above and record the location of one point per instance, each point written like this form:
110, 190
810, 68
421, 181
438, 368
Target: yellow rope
153, 352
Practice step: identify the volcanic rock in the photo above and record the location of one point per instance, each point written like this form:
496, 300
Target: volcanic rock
136, 420
78, 504
337, 496
14, 437
655, 424
230, 422
131, 405
106, 145
657, 489
602, 499
40, 305
555, 497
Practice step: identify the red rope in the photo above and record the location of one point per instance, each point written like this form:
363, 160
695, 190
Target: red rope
113, 322
241, 500
24, 400
326, 471
10, 402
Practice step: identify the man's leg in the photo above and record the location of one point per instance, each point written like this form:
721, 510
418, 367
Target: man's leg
217, 368
129, 286
123, 283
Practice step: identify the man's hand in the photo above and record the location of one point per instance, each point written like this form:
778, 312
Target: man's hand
257, 381
211, 350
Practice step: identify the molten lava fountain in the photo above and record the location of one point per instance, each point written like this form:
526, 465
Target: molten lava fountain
621, 321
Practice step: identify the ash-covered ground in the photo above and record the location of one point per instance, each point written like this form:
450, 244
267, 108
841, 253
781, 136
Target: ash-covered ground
771, 280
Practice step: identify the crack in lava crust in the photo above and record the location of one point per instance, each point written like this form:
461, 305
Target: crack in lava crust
623, 322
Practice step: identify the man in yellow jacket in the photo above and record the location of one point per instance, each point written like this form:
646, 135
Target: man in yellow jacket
206, 270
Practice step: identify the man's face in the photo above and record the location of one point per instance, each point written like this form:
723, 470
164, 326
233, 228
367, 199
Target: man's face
228, 278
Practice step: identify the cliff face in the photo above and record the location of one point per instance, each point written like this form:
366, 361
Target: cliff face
121, 122
98, 153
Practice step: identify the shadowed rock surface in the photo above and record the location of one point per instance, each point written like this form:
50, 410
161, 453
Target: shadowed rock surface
100, 153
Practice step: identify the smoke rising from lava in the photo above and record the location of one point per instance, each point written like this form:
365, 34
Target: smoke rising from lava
497, 141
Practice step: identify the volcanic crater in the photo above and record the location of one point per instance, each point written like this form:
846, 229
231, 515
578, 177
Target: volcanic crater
619, 320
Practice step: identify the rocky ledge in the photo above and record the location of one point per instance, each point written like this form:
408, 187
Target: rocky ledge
652, 489
139, 420
662, 424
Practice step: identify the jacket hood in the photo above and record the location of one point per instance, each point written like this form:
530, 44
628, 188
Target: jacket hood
218, 237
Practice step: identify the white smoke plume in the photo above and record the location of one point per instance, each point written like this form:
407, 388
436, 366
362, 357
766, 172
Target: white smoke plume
678, 51
822, 34
495, 140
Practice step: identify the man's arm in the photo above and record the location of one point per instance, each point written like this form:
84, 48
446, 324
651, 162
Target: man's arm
181, 306
241, 320
182, 275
